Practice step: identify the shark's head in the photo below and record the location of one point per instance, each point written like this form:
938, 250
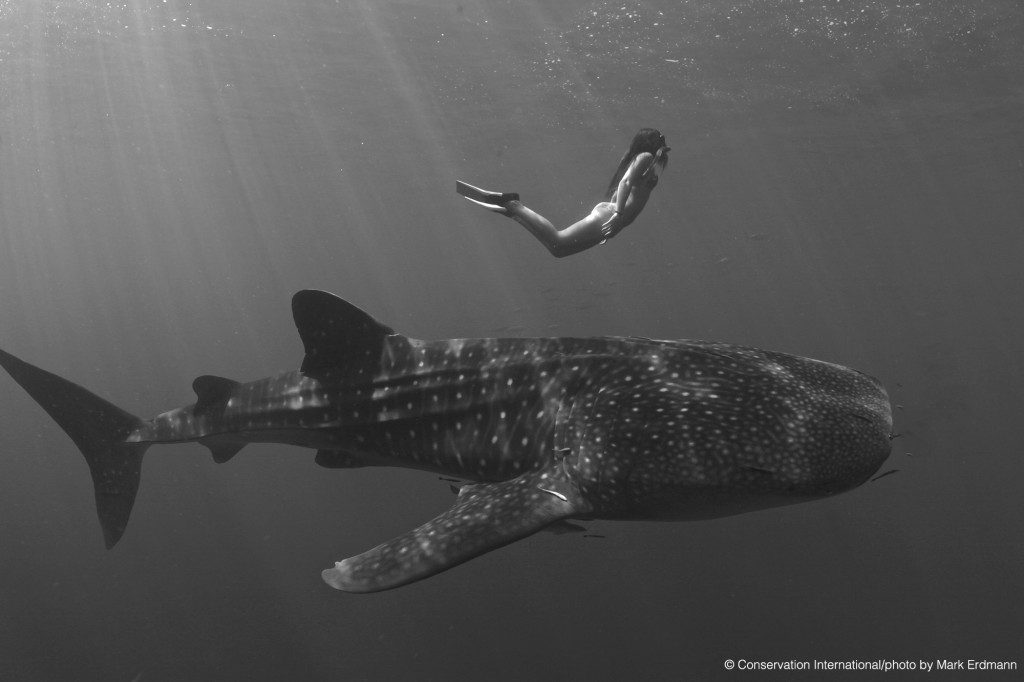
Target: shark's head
720, 430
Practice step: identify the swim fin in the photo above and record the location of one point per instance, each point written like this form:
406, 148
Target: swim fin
492, 201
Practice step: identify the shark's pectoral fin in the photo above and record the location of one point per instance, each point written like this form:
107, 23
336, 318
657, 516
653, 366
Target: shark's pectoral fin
338, 459
564, 527
485, 517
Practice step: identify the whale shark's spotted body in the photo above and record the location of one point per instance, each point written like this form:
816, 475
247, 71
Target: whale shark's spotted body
550, 428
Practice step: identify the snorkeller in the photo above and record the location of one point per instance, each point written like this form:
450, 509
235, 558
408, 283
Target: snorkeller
626, 196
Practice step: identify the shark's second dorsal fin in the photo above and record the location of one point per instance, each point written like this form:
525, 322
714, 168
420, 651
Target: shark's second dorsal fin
212, 396
212, 391
338, 337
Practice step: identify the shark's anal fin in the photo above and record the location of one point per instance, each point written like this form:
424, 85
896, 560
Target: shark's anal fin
222, 448
485, 517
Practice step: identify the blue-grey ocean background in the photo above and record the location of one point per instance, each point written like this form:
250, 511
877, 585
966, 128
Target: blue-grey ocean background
846, 183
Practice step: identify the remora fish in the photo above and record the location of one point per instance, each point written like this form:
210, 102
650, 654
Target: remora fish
551, 428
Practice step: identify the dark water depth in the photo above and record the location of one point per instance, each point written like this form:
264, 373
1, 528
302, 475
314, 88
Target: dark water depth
846, 183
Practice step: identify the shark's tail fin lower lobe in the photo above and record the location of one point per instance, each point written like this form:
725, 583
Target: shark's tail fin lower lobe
99, 430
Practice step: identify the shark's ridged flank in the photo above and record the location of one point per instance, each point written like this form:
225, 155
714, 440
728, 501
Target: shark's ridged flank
550, 429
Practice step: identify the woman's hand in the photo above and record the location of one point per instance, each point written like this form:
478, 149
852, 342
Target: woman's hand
607, 230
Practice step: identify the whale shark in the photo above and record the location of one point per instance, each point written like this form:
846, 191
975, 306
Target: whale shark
546, 429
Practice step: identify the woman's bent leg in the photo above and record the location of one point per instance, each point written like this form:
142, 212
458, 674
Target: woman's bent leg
573, 239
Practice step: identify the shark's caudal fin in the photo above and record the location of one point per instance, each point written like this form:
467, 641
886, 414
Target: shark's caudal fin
98, 428
485, 517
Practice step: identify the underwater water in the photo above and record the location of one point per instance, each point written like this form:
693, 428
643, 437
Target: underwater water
846, 183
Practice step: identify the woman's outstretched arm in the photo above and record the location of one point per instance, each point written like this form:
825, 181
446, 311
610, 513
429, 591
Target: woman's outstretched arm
641, 164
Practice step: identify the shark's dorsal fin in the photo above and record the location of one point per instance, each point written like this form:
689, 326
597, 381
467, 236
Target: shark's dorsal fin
485, 517
212, 392
337, 336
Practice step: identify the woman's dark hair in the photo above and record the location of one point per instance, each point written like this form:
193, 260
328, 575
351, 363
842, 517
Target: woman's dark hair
647, 140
